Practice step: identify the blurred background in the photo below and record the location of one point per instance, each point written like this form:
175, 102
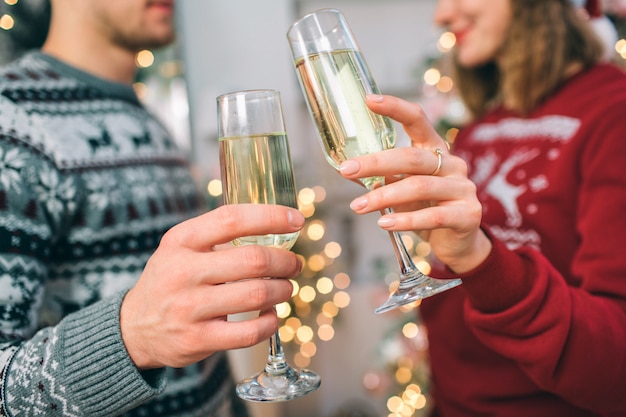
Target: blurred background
371, 365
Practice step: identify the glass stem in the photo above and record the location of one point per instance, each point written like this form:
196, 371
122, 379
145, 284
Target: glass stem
408, 271
276, 363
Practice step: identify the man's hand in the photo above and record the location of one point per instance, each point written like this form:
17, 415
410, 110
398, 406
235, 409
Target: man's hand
177, 312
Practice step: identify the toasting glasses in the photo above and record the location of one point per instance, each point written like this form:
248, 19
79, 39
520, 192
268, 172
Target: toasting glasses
256, 168
335, 80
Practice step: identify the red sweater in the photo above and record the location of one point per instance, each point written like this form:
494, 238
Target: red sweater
539, 329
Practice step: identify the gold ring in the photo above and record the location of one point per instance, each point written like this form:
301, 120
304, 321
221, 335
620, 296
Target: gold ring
438, 152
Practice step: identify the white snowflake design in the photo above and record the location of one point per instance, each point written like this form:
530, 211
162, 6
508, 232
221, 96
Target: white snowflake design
11, 163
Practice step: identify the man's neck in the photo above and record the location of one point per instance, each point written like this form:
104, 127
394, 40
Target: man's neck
105, 61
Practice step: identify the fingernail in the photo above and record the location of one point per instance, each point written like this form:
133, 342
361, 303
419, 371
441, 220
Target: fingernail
376, 98
296, 221
349, 167
359, 203
386, 222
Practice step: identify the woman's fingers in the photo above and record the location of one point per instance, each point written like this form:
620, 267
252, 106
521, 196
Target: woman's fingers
412, 118
457, 217
401, 162
413, 189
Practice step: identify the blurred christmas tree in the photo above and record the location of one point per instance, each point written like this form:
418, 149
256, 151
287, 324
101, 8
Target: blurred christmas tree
401, 375
320, 290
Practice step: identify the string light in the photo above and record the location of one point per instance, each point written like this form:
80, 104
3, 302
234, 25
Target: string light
341, 281
445, 84
7, 22
451, 134
315, 230
446, 42
144, 59
620, 48
141, 90
432, 76
332, 250
214, 188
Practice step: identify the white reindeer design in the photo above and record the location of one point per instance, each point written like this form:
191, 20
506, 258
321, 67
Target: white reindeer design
507, 193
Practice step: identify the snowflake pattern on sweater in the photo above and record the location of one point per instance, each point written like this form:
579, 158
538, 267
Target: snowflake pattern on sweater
89, 182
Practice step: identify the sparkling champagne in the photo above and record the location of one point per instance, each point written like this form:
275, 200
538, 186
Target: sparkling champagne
257, 170
333, 83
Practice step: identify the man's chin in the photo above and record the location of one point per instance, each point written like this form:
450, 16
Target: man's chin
155, 42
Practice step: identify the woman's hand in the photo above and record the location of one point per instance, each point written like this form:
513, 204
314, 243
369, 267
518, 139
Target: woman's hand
427, 187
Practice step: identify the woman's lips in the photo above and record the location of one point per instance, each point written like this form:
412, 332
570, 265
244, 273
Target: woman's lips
162, 5
460, 35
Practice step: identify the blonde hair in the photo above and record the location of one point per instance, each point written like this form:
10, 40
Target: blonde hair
545, 40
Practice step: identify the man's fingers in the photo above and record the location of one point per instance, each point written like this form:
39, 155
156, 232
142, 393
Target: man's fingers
245, 262
240, 334
237, 297
231, 221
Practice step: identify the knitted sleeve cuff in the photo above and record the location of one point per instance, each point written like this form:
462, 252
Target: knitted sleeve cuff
99, 372
500, 281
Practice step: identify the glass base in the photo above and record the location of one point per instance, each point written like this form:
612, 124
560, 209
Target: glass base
278, 386
418, 289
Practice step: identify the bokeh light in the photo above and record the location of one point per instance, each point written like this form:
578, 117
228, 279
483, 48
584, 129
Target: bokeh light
446, 41
144, 59
7, 22
215, 188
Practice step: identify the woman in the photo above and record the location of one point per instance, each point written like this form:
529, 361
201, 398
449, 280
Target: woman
528, 208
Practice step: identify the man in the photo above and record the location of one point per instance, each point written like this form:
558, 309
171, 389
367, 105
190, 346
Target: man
93, 320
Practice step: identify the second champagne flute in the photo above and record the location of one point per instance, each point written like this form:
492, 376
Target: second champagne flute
335, 80
255, 163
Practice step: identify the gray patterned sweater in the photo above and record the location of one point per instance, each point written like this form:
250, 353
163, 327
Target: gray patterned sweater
89, 181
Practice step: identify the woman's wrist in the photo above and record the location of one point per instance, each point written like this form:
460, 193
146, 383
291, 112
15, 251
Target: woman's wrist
476, 255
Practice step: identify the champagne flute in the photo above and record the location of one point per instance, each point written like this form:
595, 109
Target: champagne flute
335, 79
255, 164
